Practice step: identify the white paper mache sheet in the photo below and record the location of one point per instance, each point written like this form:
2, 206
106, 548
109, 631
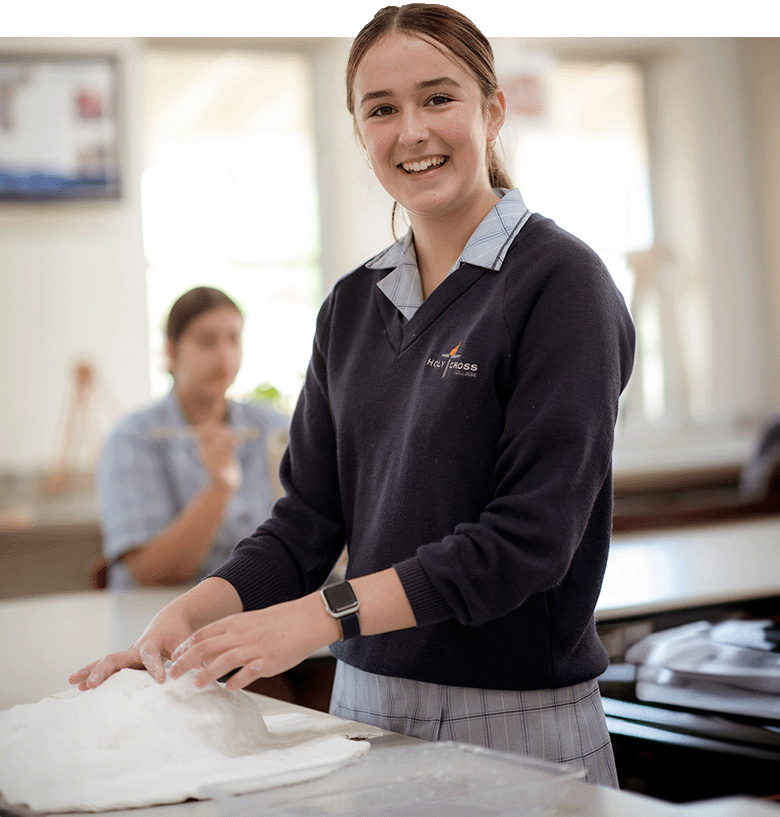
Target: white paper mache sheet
132, 742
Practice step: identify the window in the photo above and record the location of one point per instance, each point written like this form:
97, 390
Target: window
580, 157
229, 200
586, 165
589, 139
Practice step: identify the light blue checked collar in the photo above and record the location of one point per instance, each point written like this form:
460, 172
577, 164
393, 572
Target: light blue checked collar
487, 248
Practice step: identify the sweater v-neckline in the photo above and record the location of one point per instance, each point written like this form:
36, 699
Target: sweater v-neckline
400, 333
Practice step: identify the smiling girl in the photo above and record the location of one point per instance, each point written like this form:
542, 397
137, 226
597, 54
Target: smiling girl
454, 432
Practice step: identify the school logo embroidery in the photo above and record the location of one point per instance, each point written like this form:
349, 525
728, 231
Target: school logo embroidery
452, 364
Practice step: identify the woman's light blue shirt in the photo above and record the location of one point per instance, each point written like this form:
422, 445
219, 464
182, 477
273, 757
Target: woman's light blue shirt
150, 470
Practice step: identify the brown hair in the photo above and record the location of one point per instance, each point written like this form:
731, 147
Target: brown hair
450, 29
192, 303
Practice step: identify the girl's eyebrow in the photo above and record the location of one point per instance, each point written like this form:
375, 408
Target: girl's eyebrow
421, 86
432, 83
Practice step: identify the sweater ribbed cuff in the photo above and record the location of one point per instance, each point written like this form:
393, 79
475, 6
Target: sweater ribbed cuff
256, 588
428, 605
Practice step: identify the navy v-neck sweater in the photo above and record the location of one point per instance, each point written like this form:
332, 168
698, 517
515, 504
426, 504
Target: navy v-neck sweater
471, 449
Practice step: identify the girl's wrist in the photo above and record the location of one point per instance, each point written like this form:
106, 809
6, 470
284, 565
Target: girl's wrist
326, 627
223, 484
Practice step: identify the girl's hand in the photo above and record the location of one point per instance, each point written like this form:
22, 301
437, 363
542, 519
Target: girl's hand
208, 601
261, 642
217, 447
153, 648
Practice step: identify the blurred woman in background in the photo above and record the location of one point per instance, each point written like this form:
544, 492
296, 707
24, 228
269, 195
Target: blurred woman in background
181, 481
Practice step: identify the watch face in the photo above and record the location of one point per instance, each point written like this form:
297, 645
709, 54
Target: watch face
340, 597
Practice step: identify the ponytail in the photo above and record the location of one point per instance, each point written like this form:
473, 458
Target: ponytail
496, 174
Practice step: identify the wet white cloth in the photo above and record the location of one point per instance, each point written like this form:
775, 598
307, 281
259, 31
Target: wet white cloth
133, 742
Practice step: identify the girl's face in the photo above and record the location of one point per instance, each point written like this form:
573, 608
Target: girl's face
421, 117
206, 358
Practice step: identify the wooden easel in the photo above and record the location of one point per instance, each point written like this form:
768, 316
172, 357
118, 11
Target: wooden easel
83, 434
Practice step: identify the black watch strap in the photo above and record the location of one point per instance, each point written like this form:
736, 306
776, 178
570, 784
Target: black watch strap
350, 626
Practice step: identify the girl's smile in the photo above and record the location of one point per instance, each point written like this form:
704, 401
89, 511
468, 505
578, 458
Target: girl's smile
423, 165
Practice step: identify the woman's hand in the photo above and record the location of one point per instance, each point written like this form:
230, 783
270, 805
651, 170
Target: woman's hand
217, 447
262, 642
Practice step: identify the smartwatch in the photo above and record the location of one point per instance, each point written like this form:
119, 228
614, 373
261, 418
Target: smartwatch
342, 603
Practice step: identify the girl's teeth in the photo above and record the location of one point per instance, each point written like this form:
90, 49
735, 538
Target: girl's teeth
417, 167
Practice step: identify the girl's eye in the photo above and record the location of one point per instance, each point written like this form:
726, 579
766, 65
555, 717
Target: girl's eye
382, 110
439, 99
205, 341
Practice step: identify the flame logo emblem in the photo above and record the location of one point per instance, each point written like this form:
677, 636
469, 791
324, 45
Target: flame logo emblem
451, 356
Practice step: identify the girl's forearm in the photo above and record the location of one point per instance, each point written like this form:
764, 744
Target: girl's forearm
383, 603
209, 601
176, 553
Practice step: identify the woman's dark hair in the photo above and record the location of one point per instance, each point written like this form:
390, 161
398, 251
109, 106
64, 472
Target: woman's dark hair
192, 303
443, 26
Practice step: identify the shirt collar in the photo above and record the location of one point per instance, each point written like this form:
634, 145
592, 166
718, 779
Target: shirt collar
173, 407
177, 419
487, 248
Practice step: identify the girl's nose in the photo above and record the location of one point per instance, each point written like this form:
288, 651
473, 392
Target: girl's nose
413, 129
229, 352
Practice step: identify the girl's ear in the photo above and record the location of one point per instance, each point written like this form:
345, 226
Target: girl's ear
359, 135
496, 114
170, 354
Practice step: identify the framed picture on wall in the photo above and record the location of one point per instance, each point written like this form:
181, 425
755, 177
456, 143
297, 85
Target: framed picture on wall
59, 130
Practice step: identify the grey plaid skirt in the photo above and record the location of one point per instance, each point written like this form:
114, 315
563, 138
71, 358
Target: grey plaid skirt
563, 725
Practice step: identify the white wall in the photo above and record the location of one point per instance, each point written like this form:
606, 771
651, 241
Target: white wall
72, 285
760, 68
706, 212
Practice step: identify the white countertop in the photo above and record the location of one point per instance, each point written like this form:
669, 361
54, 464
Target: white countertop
43, 639
678, 569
